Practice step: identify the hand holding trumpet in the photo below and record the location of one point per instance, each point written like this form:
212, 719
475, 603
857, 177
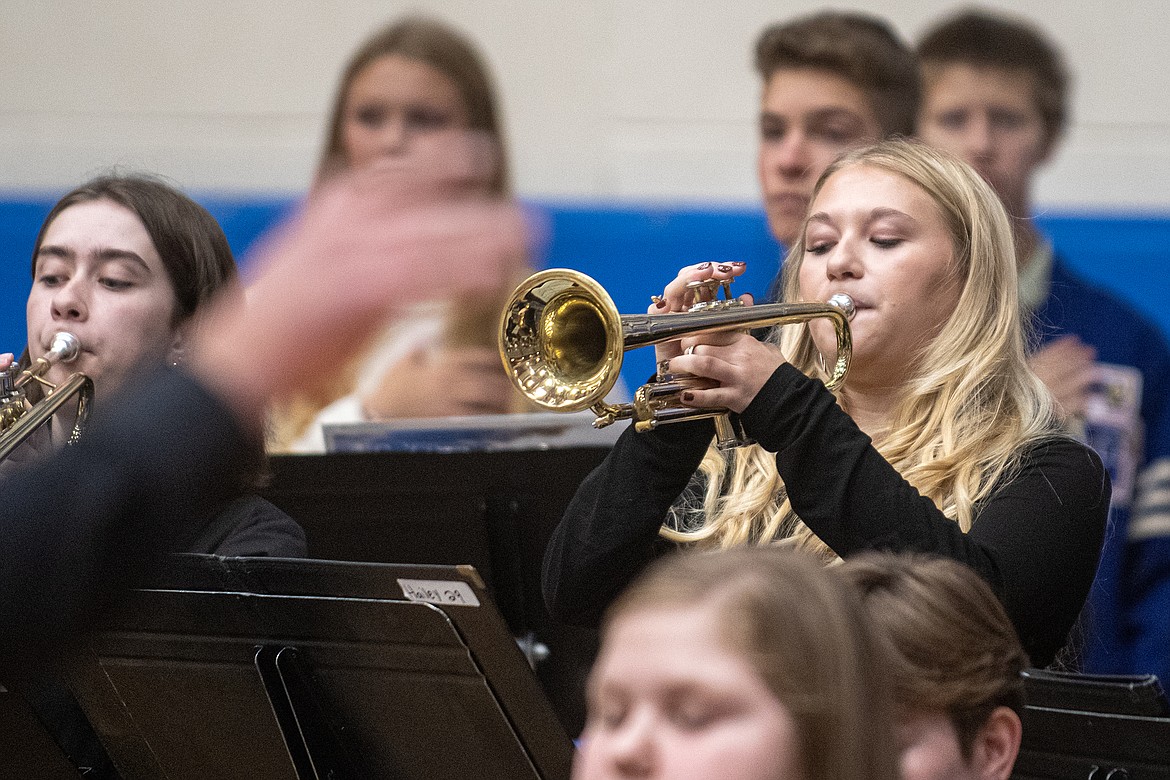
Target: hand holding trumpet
737, 364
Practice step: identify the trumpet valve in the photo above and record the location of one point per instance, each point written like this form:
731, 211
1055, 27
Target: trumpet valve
654, 401
11, 397
706, 294
8, 381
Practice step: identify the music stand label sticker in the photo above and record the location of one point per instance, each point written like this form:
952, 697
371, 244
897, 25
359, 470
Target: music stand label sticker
447, 592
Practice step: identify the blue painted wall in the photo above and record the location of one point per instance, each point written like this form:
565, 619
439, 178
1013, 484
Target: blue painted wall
633, 251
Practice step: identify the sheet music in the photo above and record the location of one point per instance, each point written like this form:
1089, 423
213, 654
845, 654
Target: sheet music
477, 433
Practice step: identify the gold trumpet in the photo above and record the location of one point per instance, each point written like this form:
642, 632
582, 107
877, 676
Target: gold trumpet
18, 420
562, 342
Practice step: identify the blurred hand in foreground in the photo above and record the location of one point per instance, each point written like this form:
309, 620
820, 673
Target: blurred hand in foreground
365, 245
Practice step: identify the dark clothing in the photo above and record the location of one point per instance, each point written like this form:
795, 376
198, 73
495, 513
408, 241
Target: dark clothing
1127, 629
1036, 540
251, 526
90, 520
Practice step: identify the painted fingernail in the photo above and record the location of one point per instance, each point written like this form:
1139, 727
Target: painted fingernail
738, 263
704, 266
724, 269
688, 397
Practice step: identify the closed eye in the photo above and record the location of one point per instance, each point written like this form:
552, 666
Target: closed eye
693, 719
608, 717
607, 709
115, 284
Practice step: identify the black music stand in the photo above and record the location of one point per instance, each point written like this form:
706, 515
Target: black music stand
28, 749
1104, 727
493, 510
268, 668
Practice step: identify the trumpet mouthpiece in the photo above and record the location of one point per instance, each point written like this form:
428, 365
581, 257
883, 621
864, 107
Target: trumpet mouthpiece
65, 348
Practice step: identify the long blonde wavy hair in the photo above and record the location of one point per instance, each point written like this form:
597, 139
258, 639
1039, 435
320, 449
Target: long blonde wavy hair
967, 411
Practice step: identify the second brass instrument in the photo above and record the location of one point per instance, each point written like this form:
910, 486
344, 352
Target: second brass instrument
562, 341
18, 421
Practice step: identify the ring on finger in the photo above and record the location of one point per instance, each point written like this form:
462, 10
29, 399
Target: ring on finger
690, 350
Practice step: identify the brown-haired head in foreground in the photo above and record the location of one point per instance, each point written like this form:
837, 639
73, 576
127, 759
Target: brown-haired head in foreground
801, 627
951, 647
991, 40
861, 49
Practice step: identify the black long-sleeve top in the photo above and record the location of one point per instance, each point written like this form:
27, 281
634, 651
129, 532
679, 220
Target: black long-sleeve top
1036, 539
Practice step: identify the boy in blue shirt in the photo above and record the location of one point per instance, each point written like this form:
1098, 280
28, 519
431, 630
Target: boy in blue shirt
995, 93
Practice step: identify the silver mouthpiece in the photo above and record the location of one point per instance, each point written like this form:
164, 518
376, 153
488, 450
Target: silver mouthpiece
841, 301
65, 348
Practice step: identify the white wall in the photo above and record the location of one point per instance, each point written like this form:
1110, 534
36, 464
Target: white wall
605, 99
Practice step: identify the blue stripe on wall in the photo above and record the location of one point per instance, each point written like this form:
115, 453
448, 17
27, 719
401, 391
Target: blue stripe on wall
633, 251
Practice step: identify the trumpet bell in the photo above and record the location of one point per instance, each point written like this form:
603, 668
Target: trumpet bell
561, 340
